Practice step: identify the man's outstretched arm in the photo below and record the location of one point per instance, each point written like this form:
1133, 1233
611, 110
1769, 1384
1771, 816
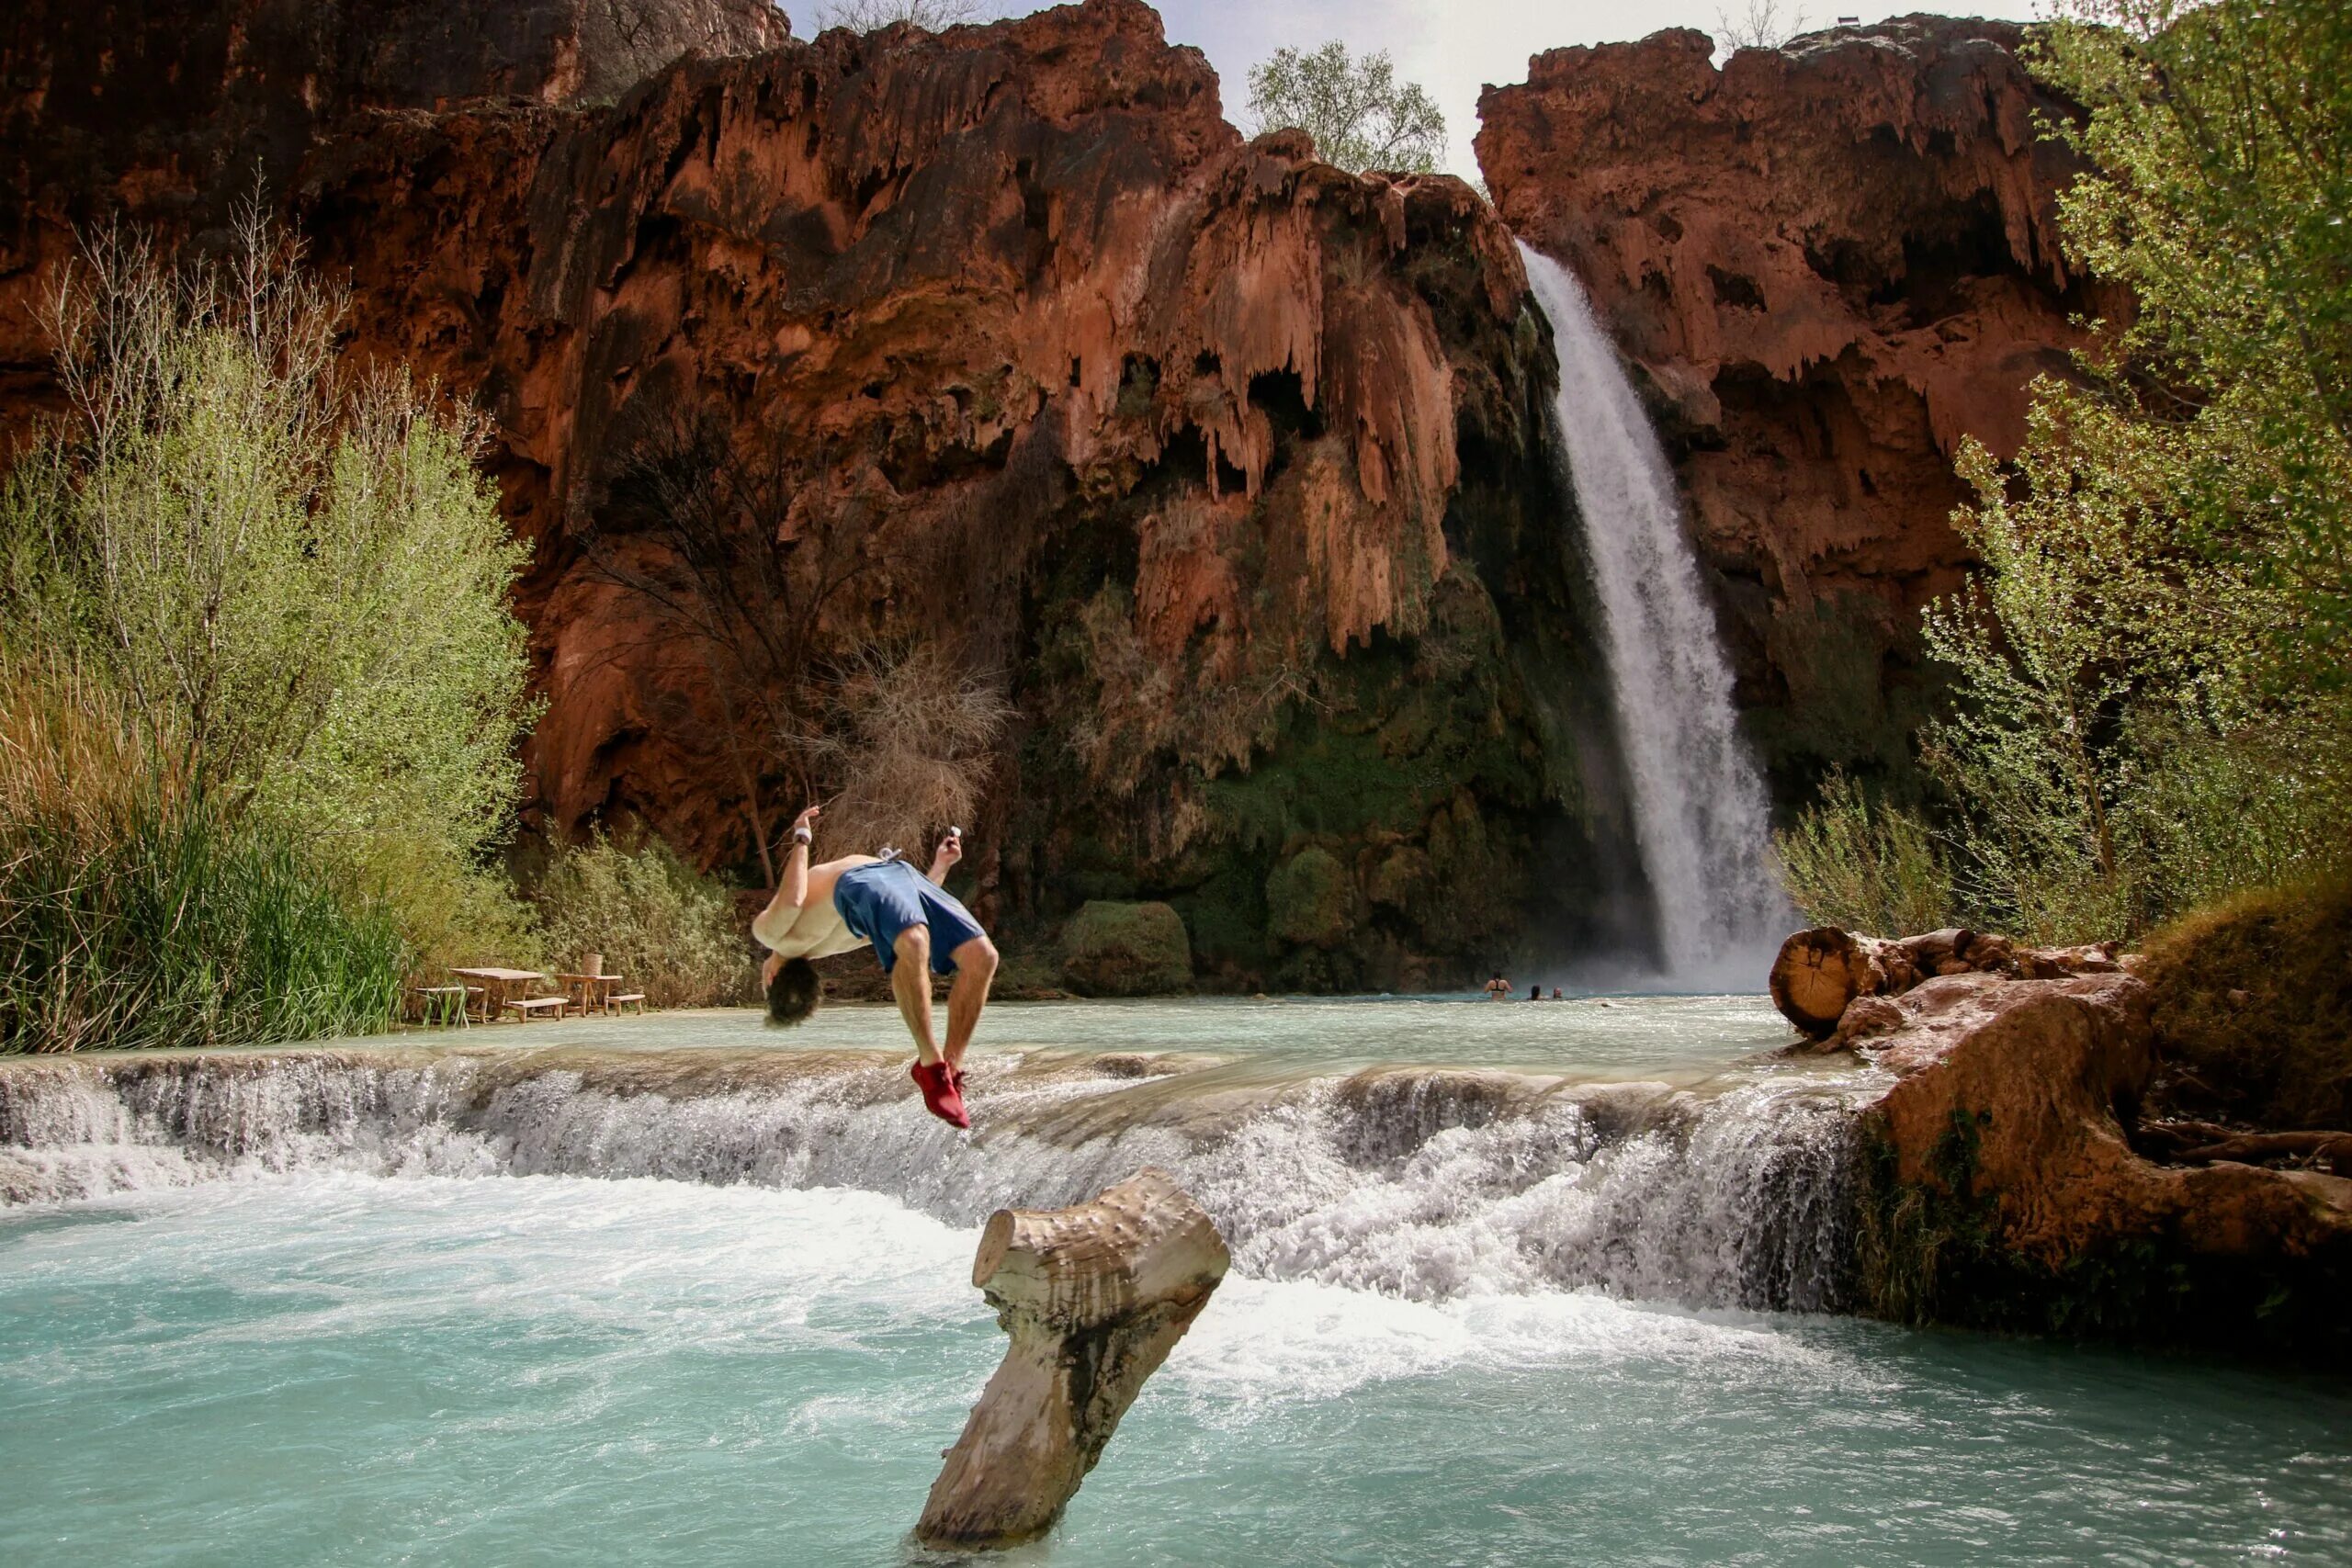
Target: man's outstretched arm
792, 887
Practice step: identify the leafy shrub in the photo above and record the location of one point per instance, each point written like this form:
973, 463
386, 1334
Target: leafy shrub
297, 583
1864, 866
673, 933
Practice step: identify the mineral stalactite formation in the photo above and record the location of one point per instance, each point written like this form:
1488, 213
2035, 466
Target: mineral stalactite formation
1224, 462
1095, 1297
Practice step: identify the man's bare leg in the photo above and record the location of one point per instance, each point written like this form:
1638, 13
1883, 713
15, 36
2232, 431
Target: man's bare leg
911, 984
975, 972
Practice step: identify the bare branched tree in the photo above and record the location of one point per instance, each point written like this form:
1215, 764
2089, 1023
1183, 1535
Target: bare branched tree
873, 16
908, 740
698, 531
1762, 24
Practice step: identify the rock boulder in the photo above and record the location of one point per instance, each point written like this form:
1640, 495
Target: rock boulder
2001, 1189
1112, 948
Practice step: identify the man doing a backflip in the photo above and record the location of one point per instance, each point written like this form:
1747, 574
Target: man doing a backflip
916, 929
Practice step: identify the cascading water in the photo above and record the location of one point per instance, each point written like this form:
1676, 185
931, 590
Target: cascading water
1698, 805
1428, 1184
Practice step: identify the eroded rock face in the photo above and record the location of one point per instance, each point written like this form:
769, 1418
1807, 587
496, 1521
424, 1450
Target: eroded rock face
1830, 262
1228, 462
2005, 1192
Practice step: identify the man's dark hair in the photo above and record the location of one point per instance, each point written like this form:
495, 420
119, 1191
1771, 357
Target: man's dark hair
794, 993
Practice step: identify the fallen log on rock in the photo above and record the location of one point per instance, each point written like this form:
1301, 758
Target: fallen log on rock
2332, 1149
1094, 1298
1819, 972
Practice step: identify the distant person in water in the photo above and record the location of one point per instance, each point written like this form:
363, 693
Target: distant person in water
1499, 990
1536, 993
1555, 995
916, 928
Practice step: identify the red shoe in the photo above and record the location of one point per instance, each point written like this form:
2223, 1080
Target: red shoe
941, 1094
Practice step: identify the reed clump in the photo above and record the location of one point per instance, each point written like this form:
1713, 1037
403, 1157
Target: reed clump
132, 914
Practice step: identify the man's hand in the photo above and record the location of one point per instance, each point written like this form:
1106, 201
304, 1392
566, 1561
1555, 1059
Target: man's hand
806, 819
951, 849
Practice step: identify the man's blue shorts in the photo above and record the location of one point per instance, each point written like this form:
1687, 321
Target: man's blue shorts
878, 901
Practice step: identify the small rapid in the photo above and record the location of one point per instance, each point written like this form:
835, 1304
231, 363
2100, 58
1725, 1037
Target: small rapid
1428, 1184
1699, 803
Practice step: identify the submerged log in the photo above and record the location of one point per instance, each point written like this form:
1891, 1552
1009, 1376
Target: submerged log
1094, 1298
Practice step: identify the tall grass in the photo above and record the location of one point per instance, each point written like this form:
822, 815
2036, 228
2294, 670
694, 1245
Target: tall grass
131, 915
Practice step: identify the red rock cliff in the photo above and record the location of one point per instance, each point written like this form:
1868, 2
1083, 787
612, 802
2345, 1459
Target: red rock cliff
1830, 262
1221, 458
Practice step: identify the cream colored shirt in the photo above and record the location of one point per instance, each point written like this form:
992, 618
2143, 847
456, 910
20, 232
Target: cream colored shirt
814, 928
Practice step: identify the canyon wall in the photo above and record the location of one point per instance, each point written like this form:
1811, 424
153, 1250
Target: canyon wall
1829, 262
1223, 465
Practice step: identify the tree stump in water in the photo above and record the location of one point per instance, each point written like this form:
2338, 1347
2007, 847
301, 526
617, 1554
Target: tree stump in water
1094, 1298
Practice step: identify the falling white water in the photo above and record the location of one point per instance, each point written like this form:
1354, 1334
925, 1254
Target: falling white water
1698, 807
1428, 1184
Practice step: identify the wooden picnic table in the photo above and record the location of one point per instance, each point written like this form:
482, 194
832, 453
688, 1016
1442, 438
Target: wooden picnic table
596, 991
494, 983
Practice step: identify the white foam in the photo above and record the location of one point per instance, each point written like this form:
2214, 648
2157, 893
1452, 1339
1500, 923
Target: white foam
1418, 1190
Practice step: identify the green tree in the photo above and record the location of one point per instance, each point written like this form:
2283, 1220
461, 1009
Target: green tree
1359, 113
297, 582
2221, 141
2151, 667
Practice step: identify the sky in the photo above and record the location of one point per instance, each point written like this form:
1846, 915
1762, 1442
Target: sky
1454, 47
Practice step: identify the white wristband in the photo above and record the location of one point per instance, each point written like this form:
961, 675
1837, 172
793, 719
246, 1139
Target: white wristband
803, 836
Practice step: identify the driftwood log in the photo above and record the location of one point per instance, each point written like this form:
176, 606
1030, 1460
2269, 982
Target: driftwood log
2186, 1141
1820, 972
1094, 1298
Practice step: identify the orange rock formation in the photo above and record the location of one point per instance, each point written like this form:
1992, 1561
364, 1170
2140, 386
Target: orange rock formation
1829, 262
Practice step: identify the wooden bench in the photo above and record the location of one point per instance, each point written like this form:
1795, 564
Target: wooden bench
531, 1007
444, 1004
637, 997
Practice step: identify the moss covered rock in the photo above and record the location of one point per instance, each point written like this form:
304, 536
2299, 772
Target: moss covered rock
1126, 950
1310, 900
2253, 1010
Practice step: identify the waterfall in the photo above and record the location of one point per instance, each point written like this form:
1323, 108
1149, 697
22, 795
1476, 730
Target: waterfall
1425, 1183
1698, 807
